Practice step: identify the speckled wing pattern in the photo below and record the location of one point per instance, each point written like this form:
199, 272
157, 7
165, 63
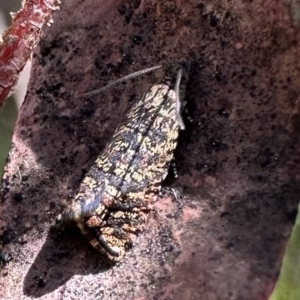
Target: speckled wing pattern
117, 192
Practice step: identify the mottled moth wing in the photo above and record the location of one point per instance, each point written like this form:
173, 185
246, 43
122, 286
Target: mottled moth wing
125, 179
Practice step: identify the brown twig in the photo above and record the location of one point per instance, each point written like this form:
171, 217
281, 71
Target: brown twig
20, 39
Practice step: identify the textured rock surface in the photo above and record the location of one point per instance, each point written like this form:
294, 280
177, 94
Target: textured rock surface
224, 235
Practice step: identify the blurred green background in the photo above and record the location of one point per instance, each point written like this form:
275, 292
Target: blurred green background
9, 112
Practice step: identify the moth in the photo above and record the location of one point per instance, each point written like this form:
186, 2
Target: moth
116, 195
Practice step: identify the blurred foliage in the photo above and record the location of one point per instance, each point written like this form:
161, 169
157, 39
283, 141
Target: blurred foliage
8, 117
288, 284
8, 112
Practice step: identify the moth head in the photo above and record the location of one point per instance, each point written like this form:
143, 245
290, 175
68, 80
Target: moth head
65, 218
83, 206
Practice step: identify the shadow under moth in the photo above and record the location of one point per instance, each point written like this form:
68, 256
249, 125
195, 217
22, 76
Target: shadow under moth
116, 194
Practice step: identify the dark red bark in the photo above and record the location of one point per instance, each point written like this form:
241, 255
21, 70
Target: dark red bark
20, 39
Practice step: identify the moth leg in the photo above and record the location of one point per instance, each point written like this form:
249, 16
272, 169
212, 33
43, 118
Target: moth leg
121, 213
125, 206
110, 250
97, 220
102, 241
133, 221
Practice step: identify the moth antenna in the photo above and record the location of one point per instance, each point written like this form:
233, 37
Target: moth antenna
125, 78
178, 102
